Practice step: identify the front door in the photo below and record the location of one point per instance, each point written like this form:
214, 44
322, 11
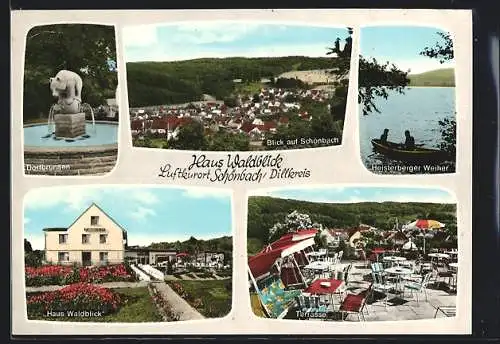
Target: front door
86, 258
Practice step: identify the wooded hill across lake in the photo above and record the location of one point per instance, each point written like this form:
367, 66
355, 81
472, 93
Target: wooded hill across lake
444, 77
264, 212
175, 82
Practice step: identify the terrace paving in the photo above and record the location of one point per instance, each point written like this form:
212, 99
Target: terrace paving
398, 308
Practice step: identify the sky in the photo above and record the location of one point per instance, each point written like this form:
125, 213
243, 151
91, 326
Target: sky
364, 194
190, 40
149, 214
401, 45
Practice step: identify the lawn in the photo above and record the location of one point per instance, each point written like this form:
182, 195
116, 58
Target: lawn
137, 306
212, 298
249, 88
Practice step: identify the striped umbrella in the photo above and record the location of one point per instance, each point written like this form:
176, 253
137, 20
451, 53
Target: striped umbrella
425, 225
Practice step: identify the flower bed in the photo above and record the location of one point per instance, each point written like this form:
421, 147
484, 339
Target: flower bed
78, 297
64, 275
162, 305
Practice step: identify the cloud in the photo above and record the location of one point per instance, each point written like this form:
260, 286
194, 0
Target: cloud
69, 198
146, 197
141, 213
77, 198
417, 65
358, 195
140, 36
205, 193
213, 32
173, 53
26, 220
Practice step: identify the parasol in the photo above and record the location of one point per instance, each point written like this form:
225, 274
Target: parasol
409, 246
425, 225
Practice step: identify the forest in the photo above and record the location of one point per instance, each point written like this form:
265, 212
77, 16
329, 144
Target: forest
264, 212
192, 245
154, 83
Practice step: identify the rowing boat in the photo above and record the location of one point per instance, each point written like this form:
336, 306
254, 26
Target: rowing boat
418, 154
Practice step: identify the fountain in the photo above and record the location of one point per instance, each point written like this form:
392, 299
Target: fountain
89, 147
67, 117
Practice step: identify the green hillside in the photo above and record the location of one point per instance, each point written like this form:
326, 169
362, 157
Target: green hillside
153, 83
223, 244
264, 212
440, 77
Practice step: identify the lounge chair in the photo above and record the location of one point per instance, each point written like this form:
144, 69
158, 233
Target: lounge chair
418, 287
355, 304
381, 284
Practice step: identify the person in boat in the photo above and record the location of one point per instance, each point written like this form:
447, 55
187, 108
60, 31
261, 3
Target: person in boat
383, 137
410, 141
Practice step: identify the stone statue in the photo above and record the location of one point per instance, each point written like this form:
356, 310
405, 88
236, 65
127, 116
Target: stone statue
69, 119
67, 87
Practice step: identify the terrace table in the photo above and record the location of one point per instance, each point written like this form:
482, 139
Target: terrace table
452, 254
317, 288
399, 272
318, 267
439, 256
394, 259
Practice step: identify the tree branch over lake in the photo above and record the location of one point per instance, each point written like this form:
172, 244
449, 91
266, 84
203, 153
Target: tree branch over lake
375, 78
442, 50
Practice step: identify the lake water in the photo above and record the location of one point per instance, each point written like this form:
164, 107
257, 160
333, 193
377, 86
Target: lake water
419, 110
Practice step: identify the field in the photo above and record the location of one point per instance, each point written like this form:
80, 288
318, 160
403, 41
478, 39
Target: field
440, 77
313, 76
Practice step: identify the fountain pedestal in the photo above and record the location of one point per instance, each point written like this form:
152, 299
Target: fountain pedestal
69, 125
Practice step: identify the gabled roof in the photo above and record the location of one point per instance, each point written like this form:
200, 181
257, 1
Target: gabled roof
83, 213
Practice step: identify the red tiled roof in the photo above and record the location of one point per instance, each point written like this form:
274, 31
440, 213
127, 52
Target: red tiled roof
247, 127
136, 124
268, 125
283, 120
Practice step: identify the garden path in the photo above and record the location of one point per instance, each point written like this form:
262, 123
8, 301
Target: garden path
178, 305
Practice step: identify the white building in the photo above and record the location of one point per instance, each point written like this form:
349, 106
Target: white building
94, 238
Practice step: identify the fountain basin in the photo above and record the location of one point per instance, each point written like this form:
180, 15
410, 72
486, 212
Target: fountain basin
95, 155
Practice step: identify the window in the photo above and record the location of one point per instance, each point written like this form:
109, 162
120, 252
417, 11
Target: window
85, 238
63, 257
103, 256
63, 238
103, 238
94, 220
